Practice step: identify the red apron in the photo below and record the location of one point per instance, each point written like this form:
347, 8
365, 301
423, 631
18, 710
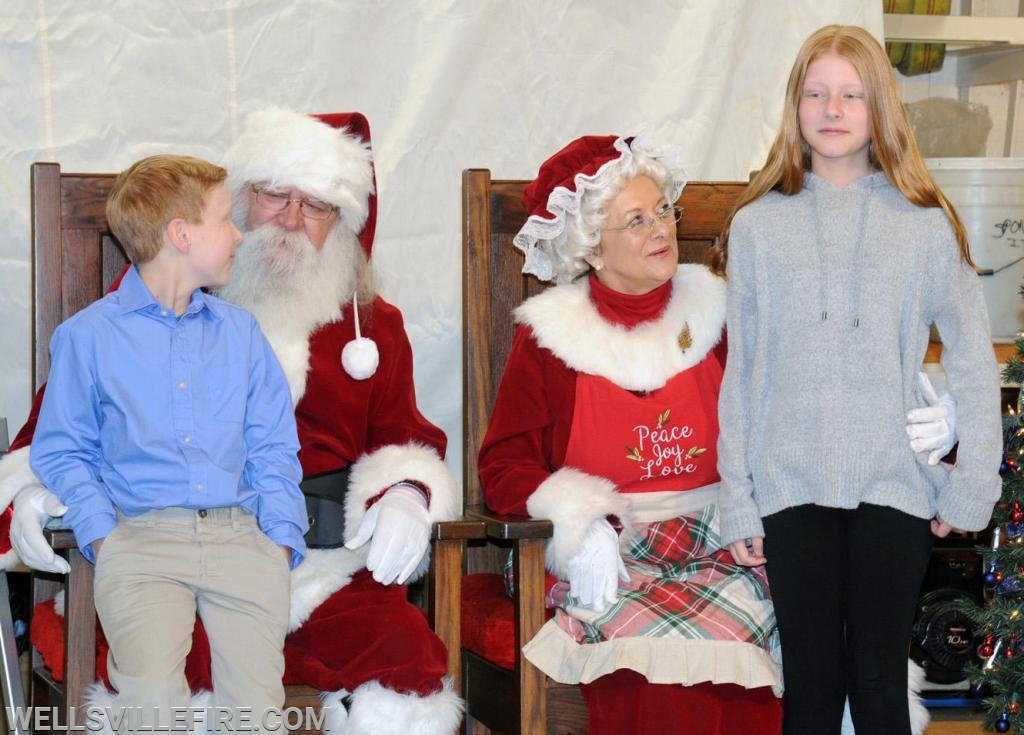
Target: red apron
647, 442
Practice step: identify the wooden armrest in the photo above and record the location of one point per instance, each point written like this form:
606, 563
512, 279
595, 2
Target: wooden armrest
60, 538
461, 529
507, 527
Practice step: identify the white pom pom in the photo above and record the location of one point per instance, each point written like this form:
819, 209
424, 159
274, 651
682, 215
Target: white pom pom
360, 357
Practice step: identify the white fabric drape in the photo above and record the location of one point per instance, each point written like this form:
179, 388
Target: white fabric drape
446, 85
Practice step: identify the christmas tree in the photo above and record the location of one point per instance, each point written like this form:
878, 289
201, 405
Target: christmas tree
999, 624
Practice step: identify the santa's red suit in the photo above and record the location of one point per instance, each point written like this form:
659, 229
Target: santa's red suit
348, 634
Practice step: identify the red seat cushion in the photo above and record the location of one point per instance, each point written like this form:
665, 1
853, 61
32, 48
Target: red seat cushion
488, 619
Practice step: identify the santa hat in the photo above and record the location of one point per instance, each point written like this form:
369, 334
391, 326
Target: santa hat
327, 156
587, 163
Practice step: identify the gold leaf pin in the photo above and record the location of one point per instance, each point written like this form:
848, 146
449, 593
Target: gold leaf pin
685, 340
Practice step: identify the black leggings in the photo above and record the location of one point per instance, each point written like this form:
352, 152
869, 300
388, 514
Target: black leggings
845, 585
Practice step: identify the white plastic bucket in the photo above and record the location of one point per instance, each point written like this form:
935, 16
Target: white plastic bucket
988, 193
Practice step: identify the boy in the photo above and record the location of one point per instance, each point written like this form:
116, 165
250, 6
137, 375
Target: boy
168, 431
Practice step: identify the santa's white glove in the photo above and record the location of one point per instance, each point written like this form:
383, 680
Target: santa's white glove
34, 505
933, 428
595, 570
398, 529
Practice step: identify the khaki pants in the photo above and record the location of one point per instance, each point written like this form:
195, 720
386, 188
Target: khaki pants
154, 572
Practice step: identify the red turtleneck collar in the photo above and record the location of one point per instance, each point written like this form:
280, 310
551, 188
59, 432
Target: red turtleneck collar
627, 309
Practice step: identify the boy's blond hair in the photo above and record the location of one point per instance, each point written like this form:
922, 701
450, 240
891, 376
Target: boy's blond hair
152, 192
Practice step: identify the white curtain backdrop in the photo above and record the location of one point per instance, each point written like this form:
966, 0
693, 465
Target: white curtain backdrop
446, 85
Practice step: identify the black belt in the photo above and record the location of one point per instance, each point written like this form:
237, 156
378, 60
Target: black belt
325, 506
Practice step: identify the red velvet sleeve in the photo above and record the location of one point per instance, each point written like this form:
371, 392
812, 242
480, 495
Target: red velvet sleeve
529, 429
394, 416
24, 437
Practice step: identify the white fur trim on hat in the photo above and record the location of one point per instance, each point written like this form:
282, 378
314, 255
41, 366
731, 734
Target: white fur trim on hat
565, 321
282, 148
322, 573
393, 463
572, 500
376, 710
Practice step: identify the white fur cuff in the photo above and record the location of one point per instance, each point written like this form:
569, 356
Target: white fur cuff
572, 501
393, 463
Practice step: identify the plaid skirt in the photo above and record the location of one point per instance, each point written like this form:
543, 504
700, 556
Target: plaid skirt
688, 614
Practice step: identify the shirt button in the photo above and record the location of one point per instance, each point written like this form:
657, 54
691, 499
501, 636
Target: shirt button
187, 440
202, 514
200, 487
182, 385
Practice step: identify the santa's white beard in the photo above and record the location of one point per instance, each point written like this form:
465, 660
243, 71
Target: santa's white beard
293, 288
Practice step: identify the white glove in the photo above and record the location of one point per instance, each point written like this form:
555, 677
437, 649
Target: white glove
398, 529
932, 429
595, 570
34, 505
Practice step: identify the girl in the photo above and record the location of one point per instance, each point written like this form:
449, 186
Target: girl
839, 257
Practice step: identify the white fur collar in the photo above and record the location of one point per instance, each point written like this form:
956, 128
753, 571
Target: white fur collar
565, 321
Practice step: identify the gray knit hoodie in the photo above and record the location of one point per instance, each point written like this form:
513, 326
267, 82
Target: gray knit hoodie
830, 296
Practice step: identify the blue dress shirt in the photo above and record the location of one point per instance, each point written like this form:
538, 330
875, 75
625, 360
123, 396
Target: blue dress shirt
146, 410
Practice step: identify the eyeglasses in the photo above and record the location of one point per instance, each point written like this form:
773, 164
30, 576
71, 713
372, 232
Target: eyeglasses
640, 224
274, 201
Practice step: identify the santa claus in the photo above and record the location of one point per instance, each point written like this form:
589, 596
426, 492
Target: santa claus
374, 478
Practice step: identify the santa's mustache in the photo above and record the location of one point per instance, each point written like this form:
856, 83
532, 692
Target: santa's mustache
276, 251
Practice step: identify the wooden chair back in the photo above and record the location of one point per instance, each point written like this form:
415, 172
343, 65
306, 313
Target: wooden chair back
74, 260
74, 256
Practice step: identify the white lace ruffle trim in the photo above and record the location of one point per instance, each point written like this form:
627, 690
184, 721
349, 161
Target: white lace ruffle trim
537, 236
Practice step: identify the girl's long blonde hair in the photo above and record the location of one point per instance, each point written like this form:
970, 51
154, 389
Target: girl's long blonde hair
892, 149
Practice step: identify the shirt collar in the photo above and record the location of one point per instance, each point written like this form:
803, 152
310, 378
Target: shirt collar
133, 295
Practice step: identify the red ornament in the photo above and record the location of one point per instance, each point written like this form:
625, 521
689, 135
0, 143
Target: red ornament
987, 647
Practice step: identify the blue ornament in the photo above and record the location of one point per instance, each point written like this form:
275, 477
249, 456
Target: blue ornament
1003, 723
1013, 530
990, 578
1009, 586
